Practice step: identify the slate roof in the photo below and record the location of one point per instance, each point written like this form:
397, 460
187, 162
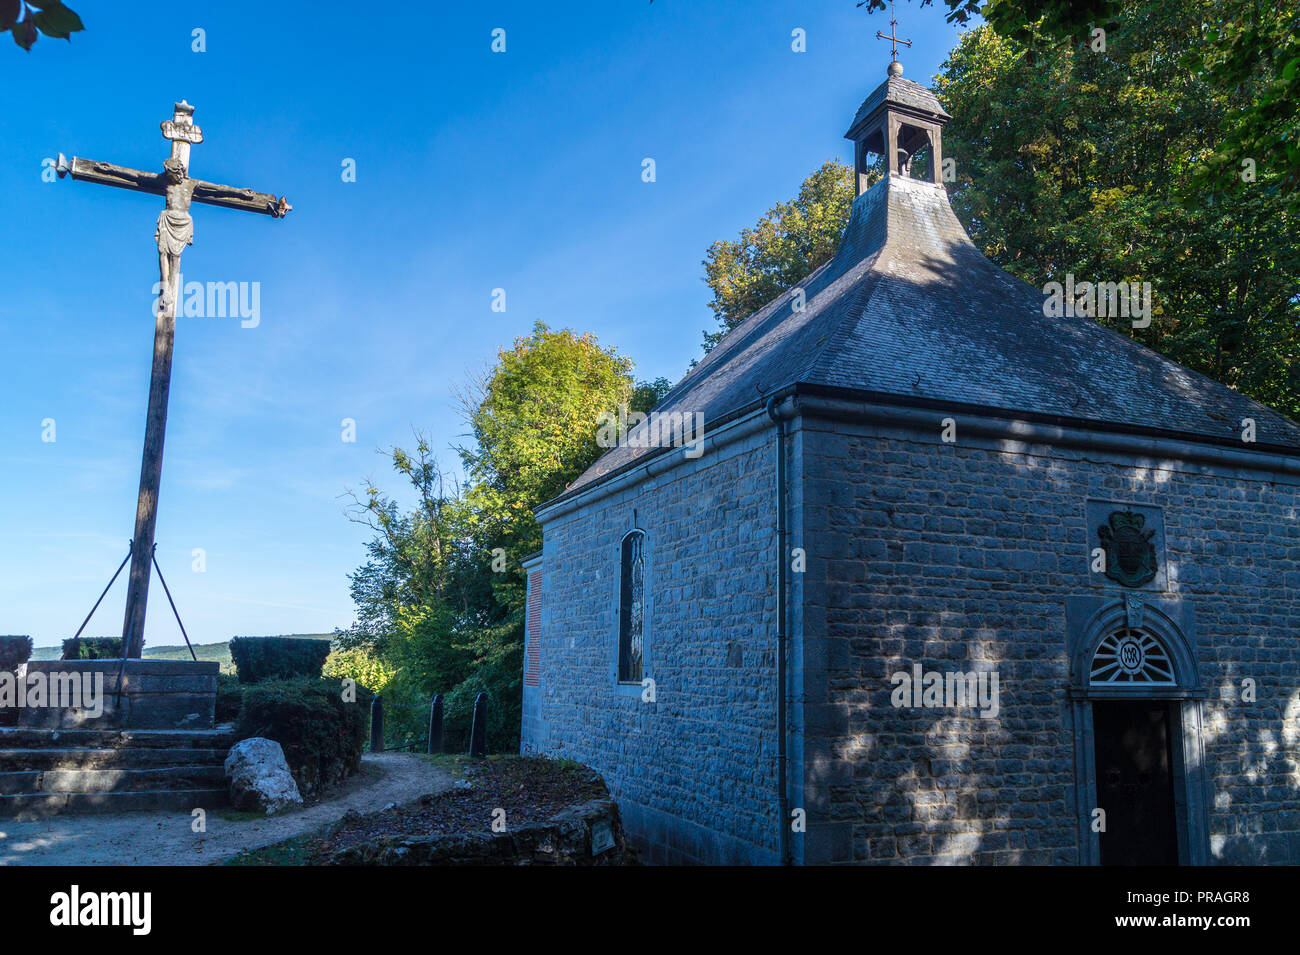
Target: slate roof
900, 91
909, 308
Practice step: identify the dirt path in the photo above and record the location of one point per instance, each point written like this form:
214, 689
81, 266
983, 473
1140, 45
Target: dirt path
166, 838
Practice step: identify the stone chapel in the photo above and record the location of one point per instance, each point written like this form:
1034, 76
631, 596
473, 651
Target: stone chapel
953, 580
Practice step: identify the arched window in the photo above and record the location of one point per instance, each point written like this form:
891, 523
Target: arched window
1131, 656
631, 619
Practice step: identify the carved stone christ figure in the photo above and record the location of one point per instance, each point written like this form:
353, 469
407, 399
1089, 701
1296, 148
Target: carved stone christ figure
175, 228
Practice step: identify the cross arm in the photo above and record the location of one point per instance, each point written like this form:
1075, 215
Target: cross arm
108, 174
210, 193
233, 197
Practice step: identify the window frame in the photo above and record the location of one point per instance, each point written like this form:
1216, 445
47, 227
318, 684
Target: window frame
628, 687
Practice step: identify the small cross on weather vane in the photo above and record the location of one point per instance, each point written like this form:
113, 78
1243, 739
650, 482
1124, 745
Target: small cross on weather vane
893, 31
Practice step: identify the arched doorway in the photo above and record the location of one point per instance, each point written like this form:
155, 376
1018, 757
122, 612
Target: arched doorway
1136, 703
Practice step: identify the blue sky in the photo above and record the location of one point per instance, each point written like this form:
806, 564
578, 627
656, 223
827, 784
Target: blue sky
474, 171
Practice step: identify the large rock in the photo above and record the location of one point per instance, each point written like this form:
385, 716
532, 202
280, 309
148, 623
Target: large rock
590, 834
259, 777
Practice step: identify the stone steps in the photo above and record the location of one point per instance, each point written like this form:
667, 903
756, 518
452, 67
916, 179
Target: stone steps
45, 772
223, 737
19, 760
27, 806
110, 780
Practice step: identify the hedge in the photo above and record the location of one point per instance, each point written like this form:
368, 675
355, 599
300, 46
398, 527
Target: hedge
14, 652
278, 658
230, 697
322, 736
92, 648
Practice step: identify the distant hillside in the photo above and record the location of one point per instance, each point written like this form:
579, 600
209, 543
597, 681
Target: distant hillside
204, 651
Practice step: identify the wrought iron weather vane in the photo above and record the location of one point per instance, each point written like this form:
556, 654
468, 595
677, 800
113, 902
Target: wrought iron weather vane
893, 31
175, 231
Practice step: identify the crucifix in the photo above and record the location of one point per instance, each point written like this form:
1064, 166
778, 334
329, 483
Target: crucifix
893, 30
175, 231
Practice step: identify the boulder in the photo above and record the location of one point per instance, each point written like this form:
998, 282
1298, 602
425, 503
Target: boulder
590, 834
259, 777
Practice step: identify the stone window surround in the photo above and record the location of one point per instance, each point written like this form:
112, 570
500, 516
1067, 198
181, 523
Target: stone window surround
632, 691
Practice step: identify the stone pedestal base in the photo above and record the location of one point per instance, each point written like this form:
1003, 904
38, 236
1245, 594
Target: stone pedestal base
156, 694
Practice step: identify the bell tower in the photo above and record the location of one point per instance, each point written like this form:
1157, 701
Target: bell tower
900, 121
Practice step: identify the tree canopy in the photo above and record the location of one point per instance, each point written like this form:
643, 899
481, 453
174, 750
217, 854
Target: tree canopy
440, 599
1087, 161
790, 241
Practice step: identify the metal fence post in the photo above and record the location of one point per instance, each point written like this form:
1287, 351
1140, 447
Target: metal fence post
377, 724
435, 724
478, 730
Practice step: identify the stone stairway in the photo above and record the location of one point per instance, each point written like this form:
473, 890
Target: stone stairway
44, 772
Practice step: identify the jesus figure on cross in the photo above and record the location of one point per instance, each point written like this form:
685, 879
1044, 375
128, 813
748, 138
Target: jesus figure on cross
175, 229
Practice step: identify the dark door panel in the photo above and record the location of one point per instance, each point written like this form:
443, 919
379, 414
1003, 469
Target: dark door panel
1135, 782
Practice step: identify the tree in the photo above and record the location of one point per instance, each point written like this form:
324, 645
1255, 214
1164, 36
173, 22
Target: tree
1085, 161
440, 598
534, 420
786, 244
1024, 20
50, 17
1239, 42
422, 601
1260, 41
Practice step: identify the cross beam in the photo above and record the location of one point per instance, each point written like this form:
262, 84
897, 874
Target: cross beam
175, 231
208, 193
893, 30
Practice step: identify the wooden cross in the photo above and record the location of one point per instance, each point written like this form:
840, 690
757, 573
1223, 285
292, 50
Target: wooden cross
175, 231
893, 29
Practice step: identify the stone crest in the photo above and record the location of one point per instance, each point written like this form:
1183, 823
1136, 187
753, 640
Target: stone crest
1130, 555
1133, 610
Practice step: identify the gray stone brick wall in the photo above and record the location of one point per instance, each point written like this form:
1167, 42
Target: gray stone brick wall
962, 556
694, 772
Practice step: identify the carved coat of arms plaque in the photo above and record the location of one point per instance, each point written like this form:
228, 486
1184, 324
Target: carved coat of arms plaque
1130, 555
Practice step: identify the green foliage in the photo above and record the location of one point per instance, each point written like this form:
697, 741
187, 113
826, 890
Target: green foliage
1076, 161
647, 394
275, 658
440, 599
50, 17
216, 652
1025, 20
230, 697
503, 682
534, 422
790, 241
92, 648
360, 665
1258, 43
1238, 46
14, 652
321, 734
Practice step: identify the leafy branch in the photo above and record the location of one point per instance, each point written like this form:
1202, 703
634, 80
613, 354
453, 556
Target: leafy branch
26, 20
